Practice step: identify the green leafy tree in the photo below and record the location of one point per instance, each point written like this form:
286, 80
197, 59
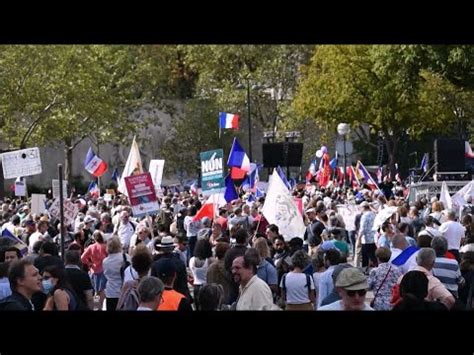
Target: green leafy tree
379, 87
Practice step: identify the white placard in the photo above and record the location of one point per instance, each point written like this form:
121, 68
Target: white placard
107, 197
20, 187
38, 203
55, 184
24, 162
70, 211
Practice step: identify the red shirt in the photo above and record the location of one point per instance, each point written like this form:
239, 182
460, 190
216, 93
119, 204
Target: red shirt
93, 257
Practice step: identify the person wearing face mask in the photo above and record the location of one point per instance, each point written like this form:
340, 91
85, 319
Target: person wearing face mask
60, 294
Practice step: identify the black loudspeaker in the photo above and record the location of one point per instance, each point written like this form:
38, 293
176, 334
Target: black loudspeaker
449, 155
282, 154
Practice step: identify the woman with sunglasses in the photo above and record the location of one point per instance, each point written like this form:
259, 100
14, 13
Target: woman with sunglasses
61, 295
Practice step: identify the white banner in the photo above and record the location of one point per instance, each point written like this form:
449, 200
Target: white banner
156, 171
444, 196
38, 203
280, 209
133, 166
458, 199
24, 162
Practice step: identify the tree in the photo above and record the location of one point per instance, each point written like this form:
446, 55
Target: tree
63, 94
194, 132
382, 87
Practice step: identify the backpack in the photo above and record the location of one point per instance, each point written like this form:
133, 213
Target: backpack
125, 265
308, 283
129, 299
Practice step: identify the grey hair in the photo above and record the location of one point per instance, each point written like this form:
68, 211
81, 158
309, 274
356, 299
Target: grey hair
451, 214
440, 245
149, 288
426, 258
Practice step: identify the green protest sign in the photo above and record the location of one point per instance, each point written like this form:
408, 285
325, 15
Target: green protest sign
212, 171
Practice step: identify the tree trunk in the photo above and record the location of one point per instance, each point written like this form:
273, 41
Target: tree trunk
2, 182
391, 143
68, 149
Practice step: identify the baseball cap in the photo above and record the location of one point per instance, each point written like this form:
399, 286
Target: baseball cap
165, 268
352, 279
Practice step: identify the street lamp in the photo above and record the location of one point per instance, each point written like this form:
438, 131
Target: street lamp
253, 87
343, 129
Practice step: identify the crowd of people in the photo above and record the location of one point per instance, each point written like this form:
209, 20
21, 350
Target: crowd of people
406, 256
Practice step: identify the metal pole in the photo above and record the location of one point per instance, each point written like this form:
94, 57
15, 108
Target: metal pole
61, 208
345, 163
249, 120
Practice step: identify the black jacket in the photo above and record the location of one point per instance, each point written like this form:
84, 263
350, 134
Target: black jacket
16, 302
181, 282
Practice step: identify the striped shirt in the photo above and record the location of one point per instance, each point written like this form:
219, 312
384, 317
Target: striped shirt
447, 271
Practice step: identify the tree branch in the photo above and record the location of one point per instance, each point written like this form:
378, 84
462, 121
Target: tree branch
35, 123
363, 137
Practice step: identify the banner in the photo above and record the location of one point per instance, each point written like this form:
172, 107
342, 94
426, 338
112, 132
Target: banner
70, 211
348, 213
38, 203
141, 194
212, 172
280, 209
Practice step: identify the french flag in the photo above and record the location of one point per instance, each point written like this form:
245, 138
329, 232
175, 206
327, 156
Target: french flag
93, 190
228, 120
7, 234
94, 165
238, 160
194, 188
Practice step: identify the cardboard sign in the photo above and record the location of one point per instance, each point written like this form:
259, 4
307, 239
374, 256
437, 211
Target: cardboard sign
38, 203
141, 194
55, 184
20, 187
70, 211
24, 162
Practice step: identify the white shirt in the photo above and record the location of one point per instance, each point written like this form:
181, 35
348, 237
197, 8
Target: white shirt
296, 290
395, 252
142, 308
36, 236
125, 233
255, 296
466, 248
453, 231
199, 273
433, 232
192, 228
337, 306
130, 274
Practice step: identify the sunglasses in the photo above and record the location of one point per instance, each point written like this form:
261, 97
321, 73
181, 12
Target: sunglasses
352, 293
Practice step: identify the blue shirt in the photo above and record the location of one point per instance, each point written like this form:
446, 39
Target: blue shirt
326, 284
5, 289
267, 272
